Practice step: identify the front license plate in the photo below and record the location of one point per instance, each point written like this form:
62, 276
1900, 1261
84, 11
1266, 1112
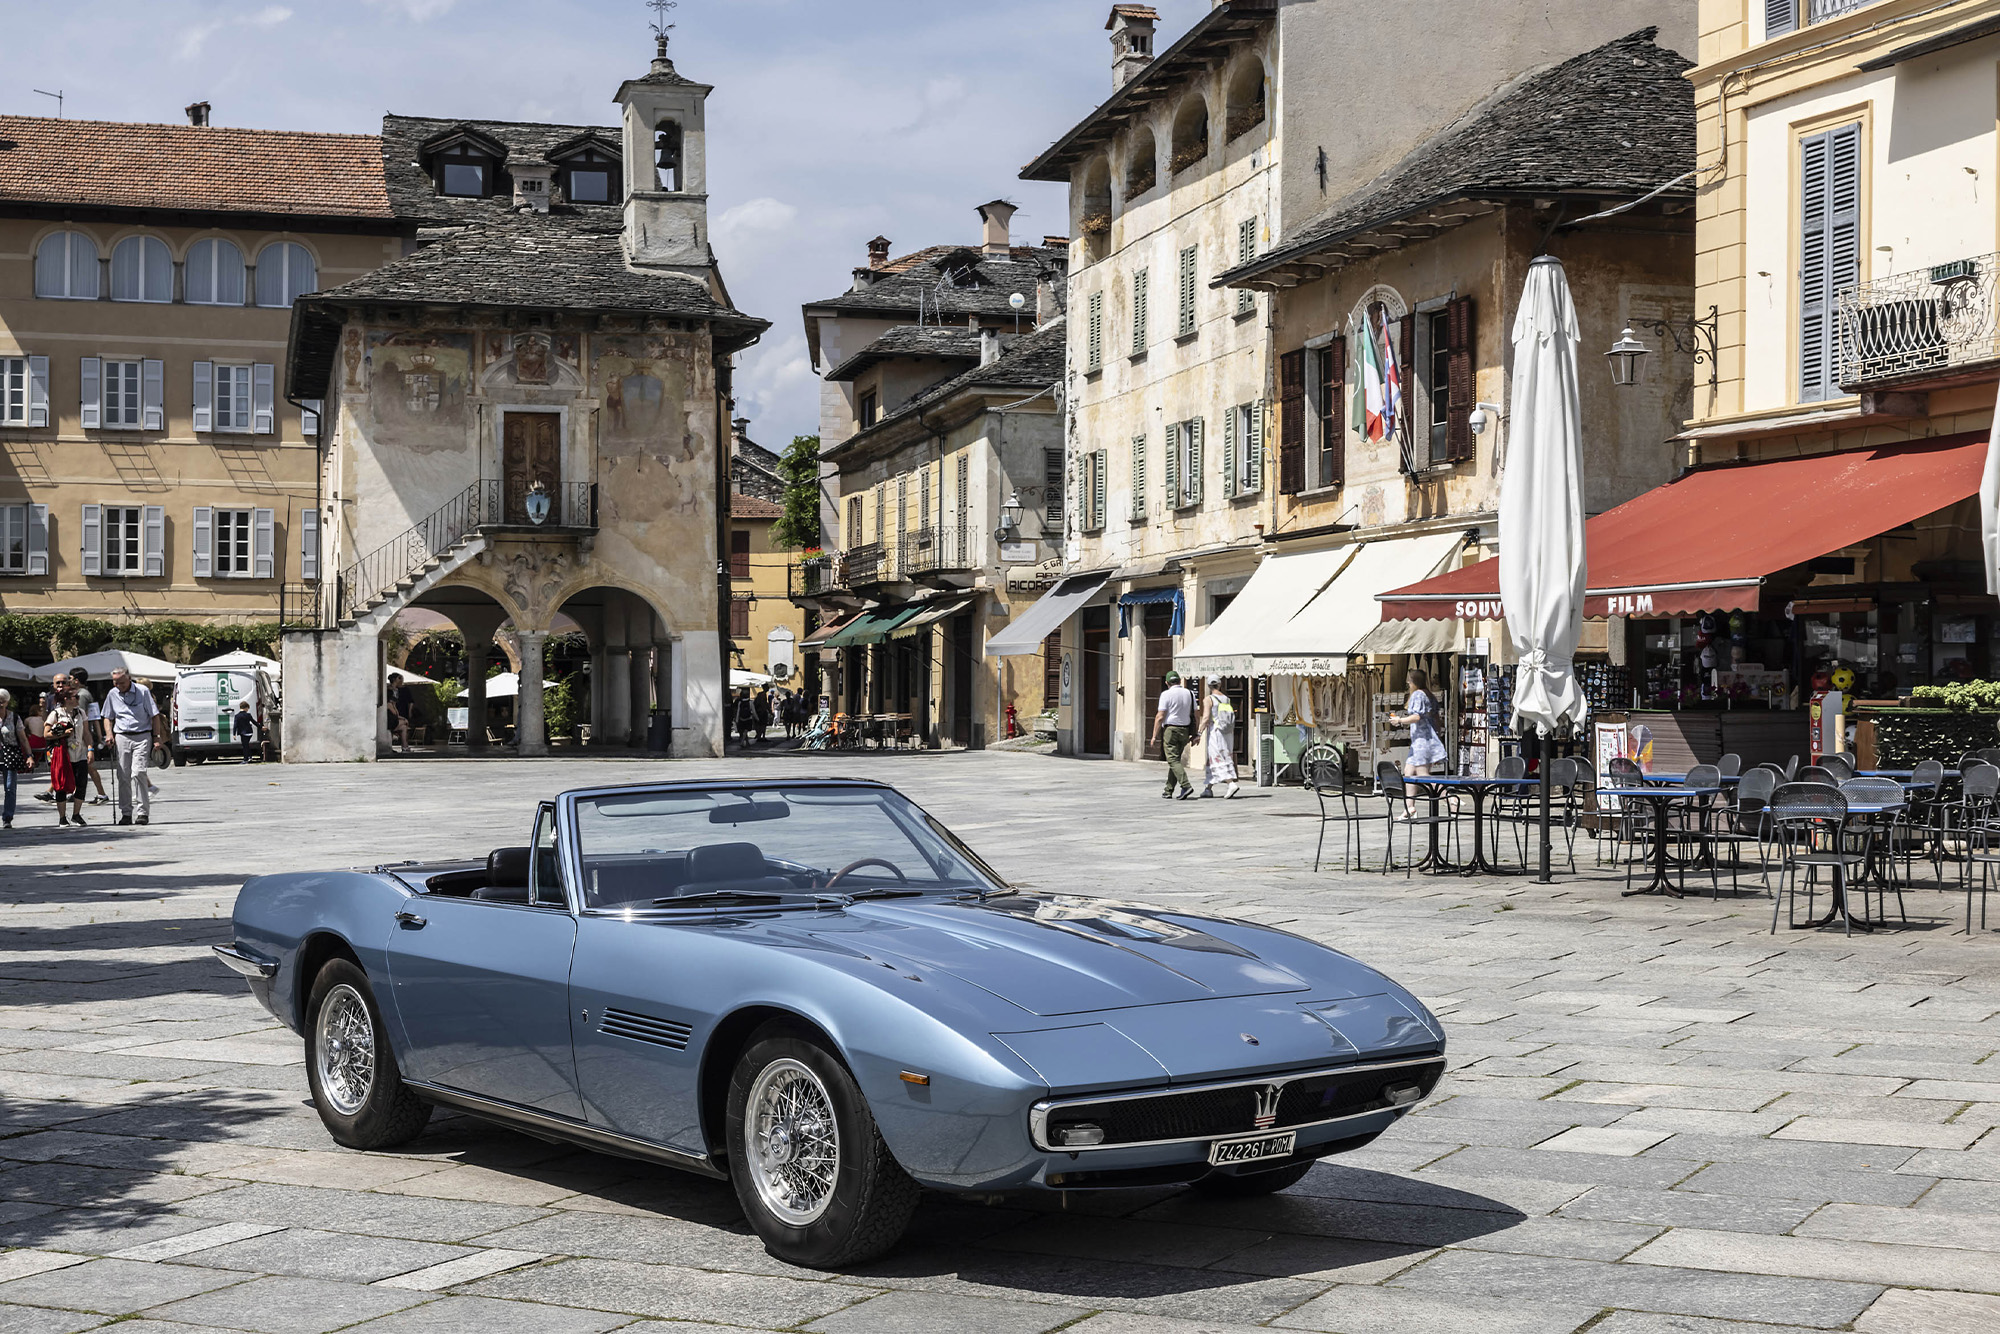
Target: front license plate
1252, 1150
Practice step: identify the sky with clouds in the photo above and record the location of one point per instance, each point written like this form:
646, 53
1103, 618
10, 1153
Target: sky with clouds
831, 121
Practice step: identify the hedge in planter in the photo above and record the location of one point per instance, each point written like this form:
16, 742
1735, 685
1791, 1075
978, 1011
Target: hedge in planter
1905, 736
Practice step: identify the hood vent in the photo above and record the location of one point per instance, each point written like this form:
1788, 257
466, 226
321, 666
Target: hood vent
645, 1028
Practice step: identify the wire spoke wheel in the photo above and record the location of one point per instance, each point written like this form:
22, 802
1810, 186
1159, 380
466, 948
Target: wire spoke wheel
792, 1142
344, 1049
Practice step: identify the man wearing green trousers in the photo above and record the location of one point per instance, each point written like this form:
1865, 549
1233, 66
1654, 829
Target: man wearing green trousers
1176, 712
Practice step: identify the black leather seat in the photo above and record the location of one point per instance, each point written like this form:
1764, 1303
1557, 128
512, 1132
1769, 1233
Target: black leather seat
507, 875
737, 867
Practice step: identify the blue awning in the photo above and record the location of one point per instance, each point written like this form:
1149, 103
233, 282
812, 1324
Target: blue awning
1144, 597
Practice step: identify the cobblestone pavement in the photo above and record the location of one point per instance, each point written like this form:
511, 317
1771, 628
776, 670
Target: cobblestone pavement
1660, 1118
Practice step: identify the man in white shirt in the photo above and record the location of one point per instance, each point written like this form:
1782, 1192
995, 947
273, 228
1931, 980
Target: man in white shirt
1175, 714
129, 713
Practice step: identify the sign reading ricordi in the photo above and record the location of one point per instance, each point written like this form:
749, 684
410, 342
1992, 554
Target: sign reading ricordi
1034, 578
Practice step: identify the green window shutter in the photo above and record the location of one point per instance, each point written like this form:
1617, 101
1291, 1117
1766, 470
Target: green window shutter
1253, 454
1246, 250
1140, 281
1186, 325
1228, 452
1094, 340
1097, 470
1171, 482
1138, 479
1194, 463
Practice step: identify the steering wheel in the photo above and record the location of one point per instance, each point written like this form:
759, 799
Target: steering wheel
841, 874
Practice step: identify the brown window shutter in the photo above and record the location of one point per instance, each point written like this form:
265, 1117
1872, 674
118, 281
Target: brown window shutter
1334, 410
1458, 379
1292, 423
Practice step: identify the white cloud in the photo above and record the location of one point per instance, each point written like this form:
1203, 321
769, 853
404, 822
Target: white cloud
775, 385
743, 227
417, 11
196, 37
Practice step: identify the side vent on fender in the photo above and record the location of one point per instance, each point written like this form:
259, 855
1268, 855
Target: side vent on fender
645, 1028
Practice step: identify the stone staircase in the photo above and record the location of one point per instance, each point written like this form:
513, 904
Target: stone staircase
401, 570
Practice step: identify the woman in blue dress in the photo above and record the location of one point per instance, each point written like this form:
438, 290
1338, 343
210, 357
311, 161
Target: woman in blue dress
1420, 716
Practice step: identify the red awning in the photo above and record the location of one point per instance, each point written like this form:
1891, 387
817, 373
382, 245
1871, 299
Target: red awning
1706, 541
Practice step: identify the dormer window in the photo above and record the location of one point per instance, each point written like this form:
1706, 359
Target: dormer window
464, 176
587, 171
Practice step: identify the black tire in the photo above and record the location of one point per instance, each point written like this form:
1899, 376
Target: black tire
870, 1200
377, 1112
1243, 1185
180, 759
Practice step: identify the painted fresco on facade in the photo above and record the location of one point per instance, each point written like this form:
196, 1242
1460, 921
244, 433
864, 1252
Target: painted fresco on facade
418, 388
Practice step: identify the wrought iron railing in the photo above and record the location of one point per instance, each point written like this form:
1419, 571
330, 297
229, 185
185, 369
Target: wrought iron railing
403, 557
869, 563
947, 548
298, 607
815, 576
1819, 11
1927, 320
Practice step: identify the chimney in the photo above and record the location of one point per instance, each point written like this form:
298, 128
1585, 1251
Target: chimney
1131, 29
739, 431
1055, 243
989, 346
197, 115
878, 253
996, 213
1046, 307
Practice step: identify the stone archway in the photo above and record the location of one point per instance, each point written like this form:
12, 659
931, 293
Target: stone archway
637, 668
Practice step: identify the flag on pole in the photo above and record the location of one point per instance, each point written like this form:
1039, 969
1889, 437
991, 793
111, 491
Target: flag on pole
1372, 401
1392, 383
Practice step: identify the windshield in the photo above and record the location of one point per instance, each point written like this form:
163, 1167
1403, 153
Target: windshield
647, 849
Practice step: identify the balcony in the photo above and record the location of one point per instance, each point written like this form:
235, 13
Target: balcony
870, 563
1919, 330
817, 576
944, 550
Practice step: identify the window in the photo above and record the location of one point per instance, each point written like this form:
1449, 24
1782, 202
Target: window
464, 175
1243, 450
1330, 444
854, 521
142, 270
66, 267
1052, 671
1829, 250
24, 539
232, 398
1434, 364
124, 539
285, 272
1138, 479
1091, 492
739, 553
309, 410
587, 177
1140, 282
865, 413
121, 393
214, 273
1782, 16
1186, 325
14, 390
881, 511
739, 618
234, 542
1184, 464
1246, 250
1094, 334
1052, 488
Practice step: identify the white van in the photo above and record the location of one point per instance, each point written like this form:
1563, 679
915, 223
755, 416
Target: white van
205, 700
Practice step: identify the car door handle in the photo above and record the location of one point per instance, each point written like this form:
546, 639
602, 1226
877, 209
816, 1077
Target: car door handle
411, 921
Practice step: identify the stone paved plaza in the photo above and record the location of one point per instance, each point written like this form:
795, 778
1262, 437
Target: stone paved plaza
1659, 1118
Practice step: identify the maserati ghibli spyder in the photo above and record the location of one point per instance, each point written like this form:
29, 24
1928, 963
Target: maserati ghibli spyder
811, 989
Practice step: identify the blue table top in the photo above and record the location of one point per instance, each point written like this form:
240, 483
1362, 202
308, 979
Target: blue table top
1667, 777
1897, 773
1658, 792
1460, 780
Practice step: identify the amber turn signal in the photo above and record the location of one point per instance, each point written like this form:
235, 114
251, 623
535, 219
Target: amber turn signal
912, 1077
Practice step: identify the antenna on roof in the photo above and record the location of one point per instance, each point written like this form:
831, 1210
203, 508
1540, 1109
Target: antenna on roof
661, 27
57, 95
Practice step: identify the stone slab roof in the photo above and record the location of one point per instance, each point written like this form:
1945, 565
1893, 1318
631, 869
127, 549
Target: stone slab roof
950, 342
951, 280
1032, 361
1615, 121
191, 169
413, 194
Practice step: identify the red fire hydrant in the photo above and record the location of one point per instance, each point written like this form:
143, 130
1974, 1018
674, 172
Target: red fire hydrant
1013, 723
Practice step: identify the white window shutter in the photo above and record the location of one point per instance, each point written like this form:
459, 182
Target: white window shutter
1253, 454
262, 544
309, 544
38, 539
204, 396
204, 541
309, 418
156, 541
38, 391
1229, 451
93, 539
1194, 468
93, 395
153, 396
1780, 17
263, 414
1172, 484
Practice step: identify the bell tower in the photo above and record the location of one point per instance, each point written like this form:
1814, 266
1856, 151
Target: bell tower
666, 161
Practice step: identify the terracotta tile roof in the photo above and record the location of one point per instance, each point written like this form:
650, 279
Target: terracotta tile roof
753, 507
219, 169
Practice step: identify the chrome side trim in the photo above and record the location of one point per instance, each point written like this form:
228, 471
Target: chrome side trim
1038, 1115
573, 1132
249, 965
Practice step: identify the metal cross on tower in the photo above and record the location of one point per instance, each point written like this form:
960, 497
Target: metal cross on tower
661, 8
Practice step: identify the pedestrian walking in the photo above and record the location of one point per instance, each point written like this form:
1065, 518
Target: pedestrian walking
99, 738
1218, 741
17, 756
1171, 721
66, 728
763, 713
245, 728
745, 717
132, 717
402, 704
1420, 716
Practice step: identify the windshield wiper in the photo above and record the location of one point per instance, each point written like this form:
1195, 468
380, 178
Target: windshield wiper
882, 892
725, 896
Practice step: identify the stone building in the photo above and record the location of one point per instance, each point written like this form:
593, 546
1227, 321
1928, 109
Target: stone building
526, 416
765, 625
150, 464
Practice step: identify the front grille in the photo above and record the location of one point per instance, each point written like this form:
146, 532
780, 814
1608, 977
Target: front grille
1233, 1109
645, 1028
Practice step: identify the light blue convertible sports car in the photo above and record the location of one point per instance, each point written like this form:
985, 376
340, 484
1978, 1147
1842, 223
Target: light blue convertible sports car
811, 988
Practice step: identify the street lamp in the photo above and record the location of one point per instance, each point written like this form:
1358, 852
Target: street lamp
1624, 358
1010, 520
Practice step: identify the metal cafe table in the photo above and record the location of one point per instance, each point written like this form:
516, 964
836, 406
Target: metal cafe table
1662, 797
1479, 788
1876, 867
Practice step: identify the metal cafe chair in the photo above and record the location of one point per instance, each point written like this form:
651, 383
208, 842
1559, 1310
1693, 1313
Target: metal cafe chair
1565, 800
1730, 766
1811, 824
1967, 810
1881, 832
1839, 766
1326, 778
1400, 800
1818, 773
1510, 805
1632, 819
1791, 768
1746, 820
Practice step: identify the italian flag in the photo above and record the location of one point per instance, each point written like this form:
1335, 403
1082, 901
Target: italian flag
1392, 385
1373, 407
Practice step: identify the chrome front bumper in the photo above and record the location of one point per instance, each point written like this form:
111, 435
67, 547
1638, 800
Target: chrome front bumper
249, 965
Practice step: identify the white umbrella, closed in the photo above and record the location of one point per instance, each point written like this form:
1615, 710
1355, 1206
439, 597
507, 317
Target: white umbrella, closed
1542, 573
1989, 506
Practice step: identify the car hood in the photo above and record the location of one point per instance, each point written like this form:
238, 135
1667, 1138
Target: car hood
1058, 955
